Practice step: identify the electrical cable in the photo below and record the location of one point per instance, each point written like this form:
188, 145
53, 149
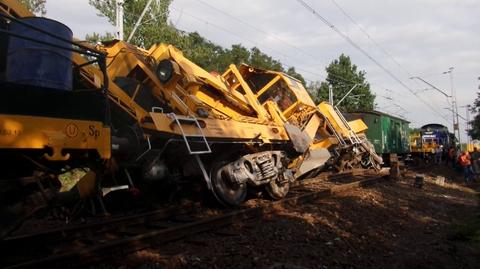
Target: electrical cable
246, 39
370, 38
366, 54
306, 53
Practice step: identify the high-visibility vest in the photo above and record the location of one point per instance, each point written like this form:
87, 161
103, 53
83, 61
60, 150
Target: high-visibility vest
464, 160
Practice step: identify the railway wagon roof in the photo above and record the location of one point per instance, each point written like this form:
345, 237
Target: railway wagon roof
379, 113
434, 126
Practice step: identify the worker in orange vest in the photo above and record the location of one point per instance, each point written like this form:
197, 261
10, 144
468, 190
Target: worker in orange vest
465, 162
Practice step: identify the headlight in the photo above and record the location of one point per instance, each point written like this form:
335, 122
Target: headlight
165, 70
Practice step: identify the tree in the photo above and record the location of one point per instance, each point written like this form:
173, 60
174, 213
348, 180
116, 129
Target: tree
291, 71
154, 25
37, 7
474, 132
342, 75
155, 28
263, 61
238, 55
96, 37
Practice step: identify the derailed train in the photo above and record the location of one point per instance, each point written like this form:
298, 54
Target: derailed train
129, 116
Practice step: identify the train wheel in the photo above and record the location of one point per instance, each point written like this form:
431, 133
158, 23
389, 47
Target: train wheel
277, 190
225, 191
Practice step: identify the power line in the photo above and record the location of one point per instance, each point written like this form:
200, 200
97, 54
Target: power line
259, 30
331, 75
369, 37
365, 53
277, 38
345, 13
246, 39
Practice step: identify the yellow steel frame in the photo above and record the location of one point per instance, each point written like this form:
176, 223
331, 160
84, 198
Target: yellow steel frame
59, 135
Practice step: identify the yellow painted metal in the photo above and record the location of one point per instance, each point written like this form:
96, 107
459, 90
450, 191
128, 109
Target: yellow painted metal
328, 112
30, 132
275, 113
14, 8
192, 88
261, 112
415, 142
312, 126
324, 143
222, 129
358, 126
268, 86
234, 109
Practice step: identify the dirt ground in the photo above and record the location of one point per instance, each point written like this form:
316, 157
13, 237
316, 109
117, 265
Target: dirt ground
388, 225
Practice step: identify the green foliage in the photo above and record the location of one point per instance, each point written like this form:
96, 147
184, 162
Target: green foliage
342, 75
293, 73
474, 133
96, 37
37, 7
153, 24
156, 29
263, 61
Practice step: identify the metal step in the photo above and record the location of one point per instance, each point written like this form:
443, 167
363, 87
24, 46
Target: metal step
354, 139
178, 119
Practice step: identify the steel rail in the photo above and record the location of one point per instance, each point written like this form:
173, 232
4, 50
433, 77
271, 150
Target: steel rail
96, 253
62, 233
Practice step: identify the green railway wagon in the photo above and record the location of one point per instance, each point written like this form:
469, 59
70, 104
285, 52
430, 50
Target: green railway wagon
389, 134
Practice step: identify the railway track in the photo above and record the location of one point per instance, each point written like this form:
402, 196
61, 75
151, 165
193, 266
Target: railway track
81, 245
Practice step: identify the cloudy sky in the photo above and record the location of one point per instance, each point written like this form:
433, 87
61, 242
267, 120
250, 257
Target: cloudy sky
406, 38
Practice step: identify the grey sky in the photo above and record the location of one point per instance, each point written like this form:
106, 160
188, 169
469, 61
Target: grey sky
426, 37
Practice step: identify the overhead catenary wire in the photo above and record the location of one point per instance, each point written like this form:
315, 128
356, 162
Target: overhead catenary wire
381, 48
375, 43
249, 40
257, 29
303, 51
331, 75
263, 32
306, 53
290, 45
366, 54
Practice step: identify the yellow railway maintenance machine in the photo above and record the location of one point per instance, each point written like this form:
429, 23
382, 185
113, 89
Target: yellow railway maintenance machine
245, 128
138, 118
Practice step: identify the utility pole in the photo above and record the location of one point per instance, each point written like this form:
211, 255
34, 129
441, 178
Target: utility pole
330, 94
119, 18
456, 123
468, 124
468, 127
147, 6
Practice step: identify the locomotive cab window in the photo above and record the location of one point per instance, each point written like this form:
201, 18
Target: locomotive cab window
280, 93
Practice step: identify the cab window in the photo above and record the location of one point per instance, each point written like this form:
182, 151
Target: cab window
280, 93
